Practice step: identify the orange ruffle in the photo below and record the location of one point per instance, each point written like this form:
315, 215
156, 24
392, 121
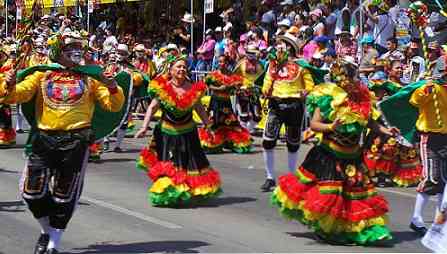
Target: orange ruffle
226, 80
7, 136
210, 139
183, 102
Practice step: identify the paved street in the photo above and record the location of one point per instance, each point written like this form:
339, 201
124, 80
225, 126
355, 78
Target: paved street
115, 217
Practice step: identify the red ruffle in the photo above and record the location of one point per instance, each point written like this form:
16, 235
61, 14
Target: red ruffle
158, 169
294, 189
370, 163
385, 166
226, 80
409, 174
238, 136
339, 207
149, 158
186, 100
7, 135
211, 138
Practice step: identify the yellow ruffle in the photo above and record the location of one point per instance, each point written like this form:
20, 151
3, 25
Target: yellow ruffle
328, 223
345, 114
161, 185
164, 182
204, 190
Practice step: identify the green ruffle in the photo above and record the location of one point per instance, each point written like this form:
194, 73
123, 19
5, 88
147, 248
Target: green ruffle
324, 104
240, 149
168, 107
171, 197
140, 165
213, 150
368, 236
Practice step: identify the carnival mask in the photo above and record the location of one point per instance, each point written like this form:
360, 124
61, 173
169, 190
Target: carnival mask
75, 55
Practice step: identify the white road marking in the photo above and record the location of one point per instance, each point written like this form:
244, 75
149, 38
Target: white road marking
405, 194
137, 215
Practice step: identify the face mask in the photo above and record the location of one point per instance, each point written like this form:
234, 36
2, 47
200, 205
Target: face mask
41, 51
251, 57
120, 58
75, 56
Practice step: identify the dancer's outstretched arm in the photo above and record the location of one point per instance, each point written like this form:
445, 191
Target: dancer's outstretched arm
152, 109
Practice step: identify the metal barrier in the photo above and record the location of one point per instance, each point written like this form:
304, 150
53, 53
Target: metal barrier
199, 75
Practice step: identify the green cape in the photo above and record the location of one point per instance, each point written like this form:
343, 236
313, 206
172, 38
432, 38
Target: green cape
317, 73
398, 112
104, 123
142, 90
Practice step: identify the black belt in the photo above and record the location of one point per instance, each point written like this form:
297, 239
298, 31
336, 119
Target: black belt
83, 134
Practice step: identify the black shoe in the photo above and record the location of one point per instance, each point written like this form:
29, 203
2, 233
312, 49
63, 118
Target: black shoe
42, 243
117, 150
106, 146
419, 230
52, 251
20, 131
268, 184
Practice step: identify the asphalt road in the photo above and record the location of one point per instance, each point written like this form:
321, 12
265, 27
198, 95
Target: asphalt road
115, 217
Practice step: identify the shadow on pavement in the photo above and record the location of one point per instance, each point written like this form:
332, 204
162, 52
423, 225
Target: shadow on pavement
12, 206
116, 160
2, 170
398, 237
124, 151
404, 236
143, 247
222, 201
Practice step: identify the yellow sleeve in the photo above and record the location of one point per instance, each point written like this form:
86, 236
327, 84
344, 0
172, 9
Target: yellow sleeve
420, 97
308, 81
3, 88
153, 70
137, 79
268, 82
25, 90
109, 101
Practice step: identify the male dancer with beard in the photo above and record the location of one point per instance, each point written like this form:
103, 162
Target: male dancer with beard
64, 98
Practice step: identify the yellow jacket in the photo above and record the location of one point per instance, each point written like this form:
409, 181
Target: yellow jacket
432, 108
36, 59
64, 101
248, 79
289, 81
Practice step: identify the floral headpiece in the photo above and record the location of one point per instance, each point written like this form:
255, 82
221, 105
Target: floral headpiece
58, 41
418, 12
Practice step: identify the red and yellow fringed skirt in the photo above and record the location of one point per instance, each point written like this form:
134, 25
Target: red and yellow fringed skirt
335, 199
381, 157
409, 169
173, 186
235, 138
7, 132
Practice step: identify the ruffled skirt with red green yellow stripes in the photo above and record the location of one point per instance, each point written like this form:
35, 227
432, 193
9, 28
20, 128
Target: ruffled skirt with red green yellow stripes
234, 138
409, 169
7, 132
335, 199
381, 154
95, 151
184, 176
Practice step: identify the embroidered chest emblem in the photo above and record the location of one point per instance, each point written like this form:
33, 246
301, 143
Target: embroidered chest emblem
64, 93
